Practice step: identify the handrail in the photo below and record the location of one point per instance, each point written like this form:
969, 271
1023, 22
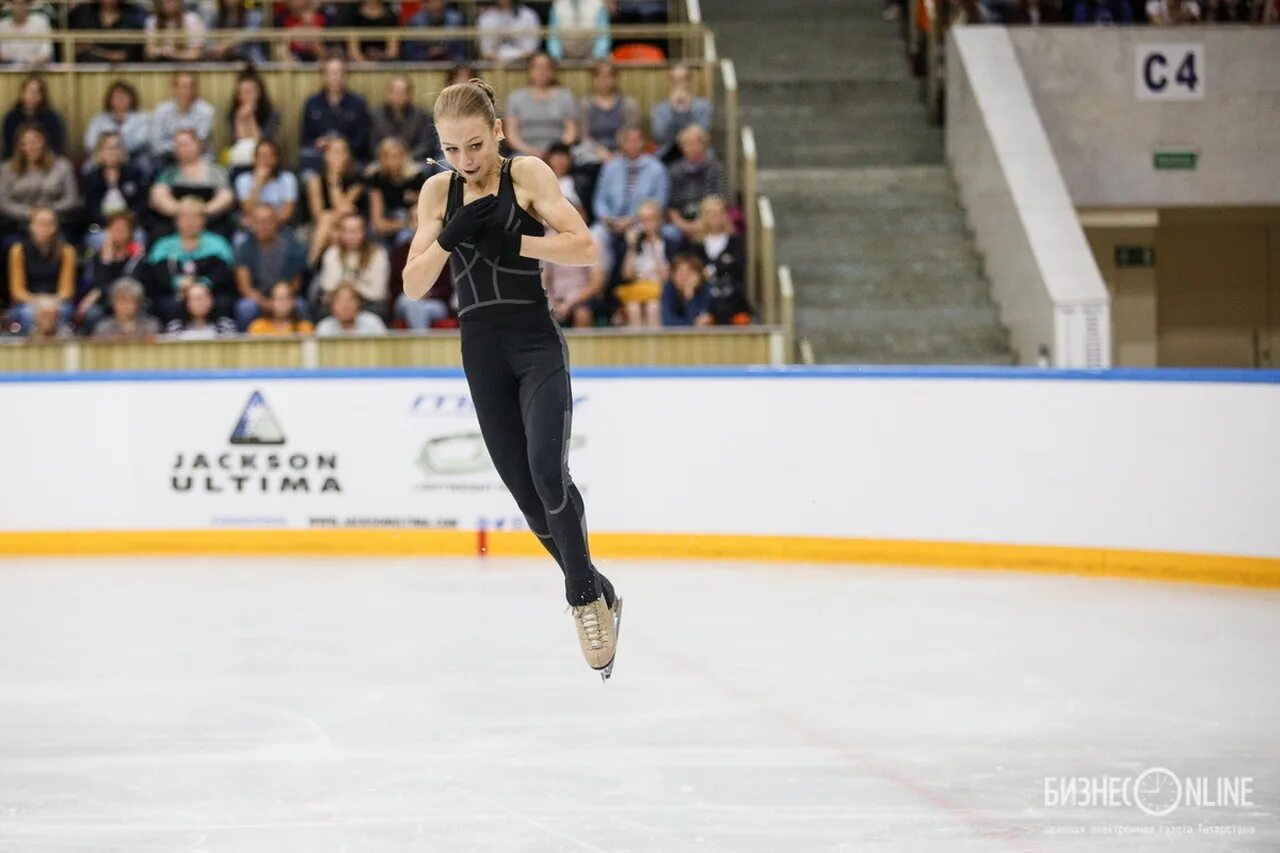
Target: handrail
768, 260
750, 212
732, 118
787, 307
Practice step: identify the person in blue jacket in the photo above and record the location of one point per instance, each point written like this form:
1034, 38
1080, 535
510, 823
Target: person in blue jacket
686, 299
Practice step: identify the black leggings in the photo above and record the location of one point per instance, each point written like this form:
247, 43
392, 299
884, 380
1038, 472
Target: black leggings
517, 367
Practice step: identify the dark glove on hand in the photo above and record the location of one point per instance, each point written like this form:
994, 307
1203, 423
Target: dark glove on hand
500, 235
466, 221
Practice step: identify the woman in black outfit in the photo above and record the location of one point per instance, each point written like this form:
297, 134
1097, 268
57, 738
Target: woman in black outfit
483, 219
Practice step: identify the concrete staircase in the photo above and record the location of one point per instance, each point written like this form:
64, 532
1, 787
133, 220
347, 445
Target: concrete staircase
868, 218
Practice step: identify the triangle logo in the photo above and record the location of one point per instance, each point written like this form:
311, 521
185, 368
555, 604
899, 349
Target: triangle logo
257, 424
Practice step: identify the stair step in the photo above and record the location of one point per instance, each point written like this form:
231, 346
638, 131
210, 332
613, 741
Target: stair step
930, 180
868, 217
894, 294
717, 12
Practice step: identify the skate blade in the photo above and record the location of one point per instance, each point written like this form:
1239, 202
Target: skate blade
607, 669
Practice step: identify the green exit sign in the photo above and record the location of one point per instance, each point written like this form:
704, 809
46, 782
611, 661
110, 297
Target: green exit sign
1178, 160
1135, 256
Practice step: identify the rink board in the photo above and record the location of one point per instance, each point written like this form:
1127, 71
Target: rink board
1170, 474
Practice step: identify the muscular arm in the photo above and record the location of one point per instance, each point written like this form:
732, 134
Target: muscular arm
426, 258
572, 244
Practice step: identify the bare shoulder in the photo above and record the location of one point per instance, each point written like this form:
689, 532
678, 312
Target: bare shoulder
533, 173
434, 195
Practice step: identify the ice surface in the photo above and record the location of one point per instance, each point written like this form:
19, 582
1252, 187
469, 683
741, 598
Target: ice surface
274, 706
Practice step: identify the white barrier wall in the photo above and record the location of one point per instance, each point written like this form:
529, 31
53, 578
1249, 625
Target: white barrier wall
1185, 466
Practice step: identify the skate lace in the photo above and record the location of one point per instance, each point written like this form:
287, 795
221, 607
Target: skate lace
589, 619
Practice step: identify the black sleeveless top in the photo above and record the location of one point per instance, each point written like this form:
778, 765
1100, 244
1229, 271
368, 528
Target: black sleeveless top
513, 280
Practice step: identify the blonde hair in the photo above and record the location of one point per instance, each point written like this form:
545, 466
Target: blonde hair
190, 204
708, 202
464, 100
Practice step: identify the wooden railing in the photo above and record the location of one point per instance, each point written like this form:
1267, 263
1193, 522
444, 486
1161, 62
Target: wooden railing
724, 345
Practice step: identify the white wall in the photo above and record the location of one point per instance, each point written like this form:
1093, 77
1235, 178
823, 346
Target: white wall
1168, 466
1042, 272
1083, 82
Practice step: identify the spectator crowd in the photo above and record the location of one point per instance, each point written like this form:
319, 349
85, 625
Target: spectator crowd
156, 234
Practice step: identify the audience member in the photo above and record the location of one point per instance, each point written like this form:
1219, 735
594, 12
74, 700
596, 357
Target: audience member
268, 184
686, 299
573, 292
198, 322
398, 117
184, 111
680, 109
267, 257
128, 322
644, 267
560, 159
347, 317
625, 181
460, 73
194, 177
33, 107
35, 177
284, 315
112, 16
722, 251
251, 118
237, 15
579, 15
357, 261
1169, 13
605, 113
306, 21
47, 322
373, 14
24, 21
112, 185
1101, 12
1035, 13
696, 175
508, 32
191, 255
393, 191
541, 114
433, 307
174, 34
333, 112
120, 256
41, 263
339, 189
438, 15
120, 115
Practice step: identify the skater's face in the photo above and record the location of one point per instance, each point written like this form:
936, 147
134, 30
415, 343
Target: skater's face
470, 145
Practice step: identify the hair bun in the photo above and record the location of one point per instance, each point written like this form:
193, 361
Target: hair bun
487, 89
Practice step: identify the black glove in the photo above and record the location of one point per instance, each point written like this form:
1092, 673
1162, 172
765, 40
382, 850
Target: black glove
500, 235
465, 222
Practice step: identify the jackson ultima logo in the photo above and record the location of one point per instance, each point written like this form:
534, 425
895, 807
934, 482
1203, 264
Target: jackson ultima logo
241, 469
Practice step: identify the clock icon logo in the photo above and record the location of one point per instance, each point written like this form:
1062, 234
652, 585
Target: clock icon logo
1157, 791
